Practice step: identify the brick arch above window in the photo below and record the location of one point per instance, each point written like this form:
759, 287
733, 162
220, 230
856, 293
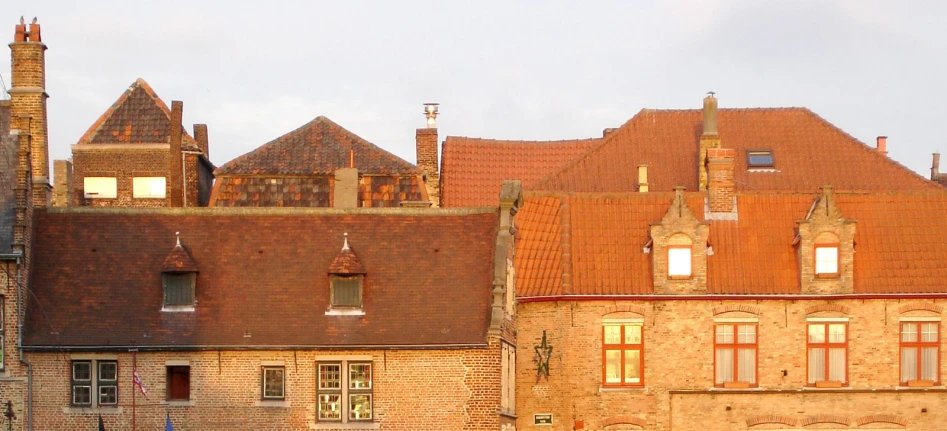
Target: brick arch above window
838, 308
727, 308
625, 308
826, 237
921, 306
770, 419
624, 420
825, 419
883, 418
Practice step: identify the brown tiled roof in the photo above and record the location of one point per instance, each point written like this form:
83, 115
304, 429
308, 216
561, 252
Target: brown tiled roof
319, 147
900, 242
139, 116
346, 262
179, 260
473, 169
263, 277
808, 152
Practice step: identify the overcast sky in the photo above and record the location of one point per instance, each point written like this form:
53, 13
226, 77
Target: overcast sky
513, 70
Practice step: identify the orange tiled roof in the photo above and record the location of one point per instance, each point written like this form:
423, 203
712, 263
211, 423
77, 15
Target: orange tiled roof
138, 116
473, 169
808, 152
591, 244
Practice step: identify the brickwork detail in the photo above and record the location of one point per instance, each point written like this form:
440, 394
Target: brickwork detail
426, 140
825, 419
727, 308
122, 164
625, 420
826, 223
679, 220
770, 419
921, 306
28, 98
891, 419
837, 308
625, 308
720, 185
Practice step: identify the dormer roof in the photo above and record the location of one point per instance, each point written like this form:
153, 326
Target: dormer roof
346, 263
179, 260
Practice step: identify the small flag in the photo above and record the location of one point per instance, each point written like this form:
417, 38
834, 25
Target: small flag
137, 382
101, 424
168, 427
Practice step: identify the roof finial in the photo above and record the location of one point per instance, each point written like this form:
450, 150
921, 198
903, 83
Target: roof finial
345, 244
35, 21
22, 21
178, 235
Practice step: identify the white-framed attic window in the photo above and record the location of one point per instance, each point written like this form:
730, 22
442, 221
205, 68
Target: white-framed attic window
149, 187
100, 187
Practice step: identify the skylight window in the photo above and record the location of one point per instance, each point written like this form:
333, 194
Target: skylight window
759, 159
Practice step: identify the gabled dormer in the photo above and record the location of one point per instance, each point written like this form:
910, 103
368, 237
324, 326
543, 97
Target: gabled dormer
346, 277
678, 250
179, 279
825, 244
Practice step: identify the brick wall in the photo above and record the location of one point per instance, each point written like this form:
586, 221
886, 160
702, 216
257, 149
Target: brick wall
426, 142
678, 372
28, 97
62, 193
457, 389
123, 164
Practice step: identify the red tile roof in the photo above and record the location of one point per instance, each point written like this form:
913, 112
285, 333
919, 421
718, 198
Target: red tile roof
264, 273
319, 147
139, 116
591, 244
179, 260
808, 152
346, 262
473, 169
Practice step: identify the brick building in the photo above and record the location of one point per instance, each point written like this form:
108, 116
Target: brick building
317, 165
137, 154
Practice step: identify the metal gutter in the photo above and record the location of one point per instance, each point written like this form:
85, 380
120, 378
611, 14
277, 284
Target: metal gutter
193, 348
730, 297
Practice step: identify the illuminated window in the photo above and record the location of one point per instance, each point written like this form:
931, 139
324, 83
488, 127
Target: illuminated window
344, 391
735, 353
99, 187
148, 187
828, 354
920, 353
623, 354
826, 260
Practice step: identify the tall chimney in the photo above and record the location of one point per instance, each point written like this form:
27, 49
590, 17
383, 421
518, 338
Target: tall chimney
22, 207
643, 178
935, 167
345, 188
200, 135
720, 185
708, 139
881, 144
28, 97
62, 193
426, 144
176, 162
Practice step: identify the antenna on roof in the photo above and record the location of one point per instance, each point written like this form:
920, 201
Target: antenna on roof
178, 235
4, 95
345, 245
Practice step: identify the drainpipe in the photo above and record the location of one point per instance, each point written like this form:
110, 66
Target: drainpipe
27, 364
184, 177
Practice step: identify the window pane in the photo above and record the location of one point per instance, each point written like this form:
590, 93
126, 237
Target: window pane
908, 364
273, 382
632, 334
360, 407
82, 395
747, 334
747, 365
99, 187
826, 260
330, 376
345, 291
613, 366
725, 334
329, 407
179, 382
929, 363
360, 376
816, 333
632, 366
909, 332
760, 158
82, 371
724, 366
837, 365
679, 262
108, 395
816, 365
108, 371
612, 334
178, 289
148, 187
837, 333
929, 332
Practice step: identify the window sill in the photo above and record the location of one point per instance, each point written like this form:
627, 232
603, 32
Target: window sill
180, 403
273, 404
344, 426
833, 386
94, 410
177, 308
622, 389
345, 312
507, 414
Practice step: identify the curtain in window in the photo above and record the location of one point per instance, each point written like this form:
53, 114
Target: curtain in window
929, 363
724, 365
837, 365
908, 364
747, 363
816, 365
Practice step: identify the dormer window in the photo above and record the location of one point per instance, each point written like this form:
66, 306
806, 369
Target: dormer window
179, 289
346, 277
759, 159
679, 257
826, 260
178, 279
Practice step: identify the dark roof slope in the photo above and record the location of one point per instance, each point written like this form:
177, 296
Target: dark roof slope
319, 147
8, 149
263, 277
808, 152
473, 169
139, 116
900, 242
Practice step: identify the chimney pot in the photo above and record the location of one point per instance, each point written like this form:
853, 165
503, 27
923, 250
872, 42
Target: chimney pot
34, 35
430, 112
935, 166
881, 144
721, 188
176, 164
200, 135
710, 114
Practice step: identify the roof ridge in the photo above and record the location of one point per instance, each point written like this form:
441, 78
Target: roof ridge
454, 139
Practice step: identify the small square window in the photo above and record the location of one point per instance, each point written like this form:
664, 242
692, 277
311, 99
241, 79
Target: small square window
679, 262
99, 187
178, 383
826, 260
179, 289
273, 383
148, 187
347, 291
94, 383
759, 159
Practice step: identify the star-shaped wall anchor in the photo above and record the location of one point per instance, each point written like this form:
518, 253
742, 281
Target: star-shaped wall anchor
543, 354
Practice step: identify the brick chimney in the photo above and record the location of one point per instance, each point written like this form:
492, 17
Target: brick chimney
720, 186
176, 162
345, 188
936, 175
426, 143
881, 144
708, 139
200, 135
23, 207
62, 193
28, 97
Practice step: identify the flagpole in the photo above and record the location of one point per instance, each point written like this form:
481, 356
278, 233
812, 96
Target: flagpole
134, 395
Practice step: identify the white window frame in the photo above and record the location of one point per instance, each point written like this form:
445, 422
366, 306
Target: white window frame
680, 261
100, 187
345, 392
147, 187
826, 263
95, 383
